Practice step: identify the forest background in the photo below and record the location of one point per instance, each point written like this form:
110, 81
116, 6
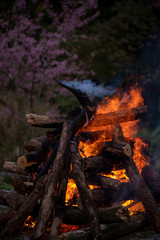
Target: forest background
41, 41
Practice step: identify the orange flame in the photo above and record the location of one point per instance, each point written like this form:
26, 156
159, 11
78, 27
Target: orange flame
130, 99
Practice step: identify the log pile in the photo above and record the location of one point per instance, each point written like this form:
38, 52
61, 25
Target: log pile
51, 161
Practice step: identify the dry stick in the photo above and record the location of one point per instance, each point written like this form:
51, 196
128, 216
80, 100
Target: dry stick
85, 194
141, 188
26, 208
70, 127
12, 167
44, 121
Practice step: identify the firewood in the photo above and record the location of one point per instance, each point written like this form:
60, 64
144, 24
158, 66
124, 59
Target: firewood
110, 231
36, 157
85, 194
100, 164
26, 208
5, 214
81, 96
11, 199
58, 212
34, 144
44, 121
13, 167
73, 215
144, 194
104, 182
141, 188
118, 116
70, 128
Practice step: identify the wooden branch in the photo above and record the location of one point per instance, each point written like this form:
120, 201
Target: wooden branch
81, 96
13, 167
118, 116
73, 215
26, 208
85, 194
44, 121
110, 231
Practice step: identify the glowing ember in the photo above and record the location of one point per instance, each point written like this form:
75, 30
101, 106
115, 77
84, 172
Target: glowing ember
30, 222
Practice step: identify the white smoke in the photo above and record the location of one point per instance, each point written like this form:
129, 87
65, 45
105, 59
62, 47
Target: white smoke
91, 89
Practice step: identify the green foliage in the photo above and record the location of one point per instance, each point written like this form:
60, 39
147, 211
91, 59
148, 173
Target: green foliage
4, 186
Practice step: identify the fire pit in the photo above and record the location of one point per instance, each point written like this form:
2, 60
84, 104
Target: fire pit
90, 177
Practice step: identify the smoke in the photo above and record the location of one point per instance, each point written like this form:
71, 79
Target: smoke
91, 89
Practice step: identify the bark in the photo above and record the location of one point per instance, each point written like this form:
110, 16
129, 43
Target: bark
11, 199
34, 144
110, 231
13, 167
144, 194
44, 121
97, 164
5, 214
73, 215
26, 208
118, 116
104, 182
85, 194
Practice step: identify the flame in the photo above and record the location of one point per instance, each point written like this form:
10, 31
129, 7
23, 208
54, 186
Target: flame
72, 192
30, 222
130, 99
134, 207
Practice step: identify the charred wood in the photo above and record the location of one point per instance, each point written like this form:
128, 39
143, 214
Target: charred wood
110, 231
73, 215
26, 208
11, 199
104, 182
34, 144
85, 194
44, 121
5, 214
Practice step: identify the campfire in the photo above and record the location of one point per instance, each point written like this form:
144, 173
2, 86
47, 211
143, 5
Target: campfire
89, 178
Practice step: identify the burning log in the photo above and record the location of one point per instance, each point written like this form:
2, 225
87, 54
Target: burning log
104, 182
110, 231
118, 116
13, 168
26, 208
73, 215
44, 121
85, 194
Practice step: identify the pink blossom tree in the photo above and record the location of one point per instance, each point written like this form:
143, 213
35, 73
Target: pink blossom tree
35, 51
